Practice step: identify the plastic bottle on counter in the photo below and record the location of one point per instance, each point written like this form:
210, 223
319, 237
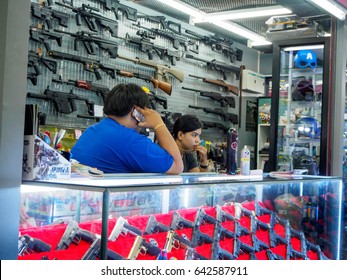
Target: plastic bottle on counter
245, 164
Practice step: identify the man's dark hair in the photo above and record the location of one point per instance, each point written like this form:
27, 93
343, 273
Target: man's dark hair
122, 99
186, 123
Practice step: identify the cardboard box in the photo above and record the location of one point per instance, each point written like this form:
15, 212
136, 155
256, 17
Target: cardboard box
42, 162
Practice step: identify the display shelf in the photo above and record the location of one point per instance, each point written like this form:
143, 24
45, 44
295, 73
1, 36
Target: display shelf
99, 204
301, 108
263, 131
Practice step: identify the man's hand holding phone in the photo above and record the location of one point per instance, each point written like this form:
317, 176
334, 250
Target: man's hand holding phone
147, 118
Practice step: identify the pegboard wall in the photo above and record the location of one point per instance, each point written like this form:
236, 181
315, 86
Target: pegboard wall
84, 41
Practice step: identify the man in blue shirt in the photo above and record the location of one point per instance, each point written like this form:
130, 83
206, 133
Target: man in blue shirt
115, 145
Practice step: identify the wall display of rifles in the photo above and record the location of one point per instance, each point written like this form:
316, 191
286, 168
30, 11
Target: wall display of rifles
65, 52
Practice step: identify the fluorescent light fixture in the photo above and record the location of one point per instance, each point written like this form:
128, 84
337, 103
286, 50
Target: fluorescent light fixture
251, 43
184, 8
331, 8
232, 27
298, 48
239, 30
244, 13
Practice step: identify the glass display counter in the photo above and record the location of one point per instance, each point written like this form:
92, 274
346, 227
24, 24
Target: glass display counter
192, 216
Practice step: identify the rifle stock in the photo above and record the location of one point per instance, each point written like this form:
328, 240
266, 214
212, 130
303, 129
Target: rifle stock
164, 86
227, 87
161, 71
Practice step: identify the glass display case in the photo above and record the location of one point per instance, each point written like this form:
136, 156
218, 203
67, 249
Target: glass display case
193, 216
300, 97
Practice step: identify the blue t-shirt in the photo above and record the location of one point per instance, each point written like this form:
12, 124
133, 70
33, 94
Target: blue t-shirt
114, 148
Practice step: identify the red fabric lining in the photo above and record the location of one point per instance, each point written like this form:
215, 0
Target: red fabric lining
123, 245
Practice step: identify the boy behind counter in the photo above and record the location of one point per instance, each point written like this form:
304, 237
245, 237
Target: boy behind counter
115, 145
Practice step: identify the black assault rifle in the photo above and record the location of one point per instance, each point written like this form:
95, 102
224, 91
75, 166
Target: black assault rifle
34, 60
218, 66
147, 46
223, 100
43, 36
93, 19
220, 45
157, 99
220, 126
89, 40
90, 65
87, 85
64, 102
165, 24
233, 118
115, 6
46, 14
176, 39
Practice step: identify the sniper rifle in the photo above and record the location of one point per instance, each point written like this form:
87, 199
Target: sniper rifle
233, 118
223, 100
221, 83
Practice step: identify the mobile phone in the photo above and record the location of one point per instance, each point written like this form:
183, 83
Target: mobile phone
138, 116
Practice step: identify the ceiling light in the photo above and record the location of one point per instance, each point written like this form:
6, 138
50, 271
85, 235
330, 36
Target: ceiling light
184, 8
252, 44
239, 30
244, 13
331, 8
298, 48
232, 27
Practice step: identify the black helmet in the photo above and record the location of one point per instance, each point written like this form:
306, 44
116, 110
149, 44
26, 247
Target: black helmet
303, 91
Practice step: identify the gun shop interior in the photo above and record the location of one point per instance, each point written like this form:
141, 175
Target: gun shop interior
266, 81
